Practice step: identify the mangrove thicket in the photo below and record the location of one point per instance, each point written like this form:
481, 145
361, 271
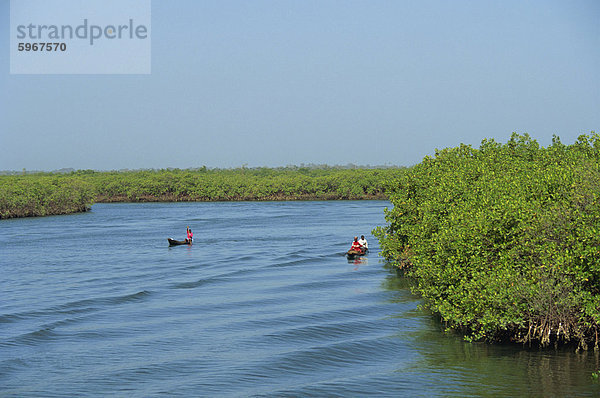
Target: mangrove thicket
503, 240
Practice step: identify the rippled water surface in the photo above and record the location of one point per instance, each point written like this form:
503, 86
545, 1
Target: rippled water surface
263, 304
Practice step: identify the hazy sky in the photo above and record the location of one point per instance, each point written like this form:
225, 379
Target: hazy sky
274, 83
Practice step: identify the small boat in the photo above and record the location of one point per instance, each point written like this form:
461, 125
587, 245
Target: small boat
173, 242
352, 254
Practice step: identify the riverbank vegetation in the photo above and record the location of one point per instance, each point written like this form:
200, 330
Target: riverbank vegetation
504, 241
241, 184
49, 193
43, 195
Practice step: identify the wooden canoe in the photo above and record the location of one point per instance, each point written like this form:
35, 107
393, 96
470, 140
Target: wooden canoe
173, 242
351, 254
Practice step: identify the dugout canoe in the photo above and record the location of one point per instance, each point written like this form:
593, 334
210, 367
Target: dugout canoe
173, 242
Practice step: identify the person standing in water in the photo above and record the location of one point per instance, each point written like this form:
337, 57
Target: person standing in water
190, 235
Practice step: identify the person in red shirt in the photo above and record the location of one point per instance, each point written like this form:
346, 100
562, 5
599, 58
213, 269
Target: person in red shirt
356, 245
190, 235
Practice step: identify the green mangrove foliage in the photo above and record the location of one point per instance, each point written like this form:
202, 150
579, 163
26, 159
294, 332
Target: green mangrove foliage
240, 184
42, 195
504, 240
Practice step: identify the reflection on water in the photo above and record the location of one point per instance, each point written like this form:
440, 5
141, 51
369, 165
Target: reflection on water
482, 369
508, 370
358, 261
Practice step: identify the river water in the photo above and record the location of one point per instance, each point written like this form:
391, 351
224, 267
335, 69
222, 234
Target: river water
263, 304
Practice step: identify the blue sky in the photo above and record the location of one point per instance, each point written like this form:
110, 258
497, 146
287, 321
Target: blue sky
275, 83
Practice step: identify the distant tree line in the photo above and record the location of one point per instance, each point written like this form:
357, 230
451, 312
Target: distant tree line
58, 193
